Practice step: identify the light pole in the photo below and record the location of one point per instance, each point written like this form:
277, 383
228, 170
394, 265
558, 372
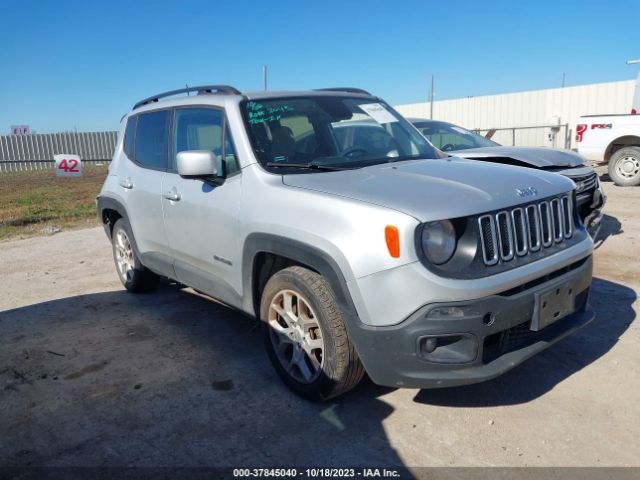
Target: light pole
431, 94
635, 108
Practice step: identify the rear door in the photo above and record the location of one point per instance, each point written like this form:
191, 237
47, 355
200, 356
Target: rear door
140, 182
201, 218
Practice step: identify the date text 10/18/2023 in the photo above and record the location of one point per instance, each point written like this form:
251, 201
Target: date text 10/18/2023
316, 473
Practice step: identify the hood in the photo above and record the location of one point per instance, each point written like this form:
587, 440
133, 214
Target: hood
435, 189
538, 157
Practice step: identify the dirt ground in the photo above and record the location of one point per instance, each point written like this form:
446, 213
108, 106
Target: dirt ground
93, 376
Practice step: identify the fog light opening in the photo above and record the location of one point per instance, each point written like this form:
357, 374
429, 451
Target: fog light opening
430, 345
457, 348
489, 318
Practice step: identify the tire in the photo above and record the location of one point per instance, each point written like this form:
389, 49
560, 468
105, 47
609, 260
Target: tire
132, 273
313, 334
624, 167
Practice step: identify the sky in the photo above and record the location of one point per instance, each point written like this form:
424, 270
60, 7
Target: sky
68, 65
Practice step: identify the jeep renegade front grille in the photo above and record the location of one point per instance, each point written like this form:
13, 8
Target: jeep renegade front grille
522, 230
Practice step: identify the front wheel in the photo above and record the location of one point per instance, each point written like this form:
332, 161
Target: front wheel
305, 335
624, 167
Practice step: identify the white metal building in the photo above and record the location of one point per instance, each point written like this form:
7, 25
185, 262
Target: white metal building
554, 106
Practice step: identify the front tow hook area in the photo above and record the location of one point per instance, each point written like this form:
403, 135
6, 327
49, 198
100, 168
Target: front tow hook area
593, 223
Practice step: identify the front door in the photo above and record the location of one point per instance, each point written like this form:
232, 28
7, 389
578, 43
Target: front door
201, 218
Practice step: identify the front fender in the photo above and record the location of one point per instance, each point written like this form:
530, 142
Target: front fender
299, 252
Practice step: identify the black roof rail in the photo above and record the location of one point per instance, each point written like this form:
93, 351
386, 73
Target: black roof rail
343, 89
201, 90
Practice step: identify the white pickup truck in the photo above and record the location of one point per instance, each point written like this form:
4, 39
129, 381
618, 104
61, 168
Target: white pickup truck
614, 139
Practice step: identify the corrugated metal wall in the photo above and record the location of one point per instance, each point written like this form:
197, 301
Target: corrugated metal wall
37, 146
539, 107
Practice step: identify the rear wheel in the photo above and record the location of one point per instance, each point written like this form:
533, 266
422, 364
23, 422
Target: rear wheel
134, 276
624, 167
305, 335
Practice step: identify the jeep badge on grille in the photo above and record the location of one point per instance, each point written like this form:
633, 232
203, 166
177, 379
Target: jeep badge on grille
526, 192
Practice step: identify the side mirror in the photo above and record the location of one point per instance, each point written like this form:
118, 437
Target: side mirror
197, 163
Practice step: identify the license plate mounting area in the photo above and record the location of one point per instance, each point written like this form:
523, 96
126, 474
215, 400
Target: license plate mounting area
553, 304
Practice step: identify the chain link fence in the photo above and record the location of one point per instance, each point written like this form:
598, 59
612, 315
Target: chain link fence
557, 136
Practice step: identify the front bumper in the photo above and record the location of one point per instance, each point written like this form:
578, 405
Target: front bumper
590, 209
589, 204
478, 339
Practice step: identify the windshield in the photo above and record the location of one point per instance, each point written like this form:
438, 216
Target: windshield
330, 132
448, 137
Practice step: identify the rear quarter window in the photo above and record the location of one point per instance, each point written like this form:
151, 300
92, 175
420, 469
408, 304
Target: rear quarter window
130, 136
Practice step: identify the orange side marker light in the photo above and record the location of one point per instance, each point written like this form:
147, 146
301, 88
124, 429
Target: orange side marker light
393, 240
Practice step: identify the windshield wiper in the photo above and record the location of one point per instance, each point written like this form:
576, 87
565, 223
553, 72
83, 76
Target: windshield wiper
306, 166
382, 161
406, 158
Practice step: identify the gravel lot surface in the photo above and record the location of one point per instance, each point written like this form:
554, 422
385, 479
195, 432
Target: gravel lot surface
92, 375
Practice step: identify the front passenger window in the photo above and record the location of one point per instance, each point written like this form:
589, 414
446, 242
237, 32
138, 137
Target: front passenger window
231, 161
201, 129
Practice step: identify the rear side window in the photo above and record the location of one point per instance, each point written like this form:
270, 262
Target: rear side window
130, 136
151, 139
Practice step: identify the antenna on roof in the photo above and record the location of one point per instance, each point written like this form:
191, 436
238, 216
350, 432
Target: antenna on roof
264, 77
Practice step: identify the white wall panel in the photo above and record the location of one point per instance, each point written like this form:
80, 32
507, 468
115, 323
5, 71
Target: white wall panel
539, 107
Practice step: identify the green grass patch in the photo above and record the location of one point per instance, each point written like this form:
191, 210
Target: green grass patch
29, 201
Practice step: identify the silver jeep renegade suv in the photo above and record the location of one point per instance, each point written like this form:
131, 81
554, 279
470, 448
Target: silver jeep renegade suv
360, 250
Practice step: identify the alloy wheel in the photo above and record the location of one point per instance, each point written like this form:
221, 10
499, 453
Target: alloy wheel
296, 336
124, 255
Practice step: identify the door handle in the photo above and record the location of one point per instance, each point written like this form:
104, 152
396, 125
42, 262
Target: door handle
172, 195
126, 183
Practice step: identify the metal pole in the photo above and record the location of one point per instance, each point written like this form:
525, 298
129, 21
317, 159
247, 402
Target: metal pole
264, 77
562, 79
431, 116
635, 106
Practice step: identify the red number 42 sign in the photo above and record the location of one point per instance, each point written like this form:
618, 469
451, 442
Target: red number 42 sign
68, 165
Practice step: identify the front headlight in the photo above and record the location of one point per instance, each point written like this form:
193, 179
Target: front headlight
438, 241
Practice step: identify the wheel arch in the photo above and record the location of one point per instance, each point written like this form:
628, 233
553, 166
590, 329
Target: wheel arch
110, 211
620, 142
273, 252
